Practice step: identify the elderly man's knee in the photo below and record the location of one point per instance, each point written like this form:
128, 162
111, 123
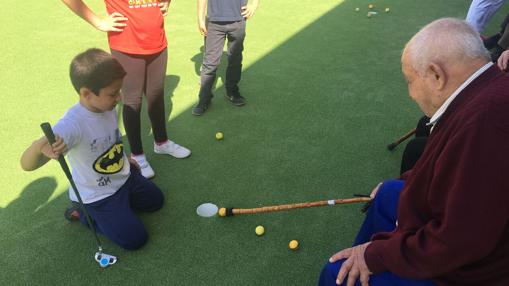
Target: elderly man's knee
389, 191
330, 273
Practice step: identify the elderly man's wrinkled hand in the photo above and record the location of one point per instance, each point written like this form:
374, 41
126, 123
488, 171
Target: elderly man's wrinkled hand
502, 60
354, 266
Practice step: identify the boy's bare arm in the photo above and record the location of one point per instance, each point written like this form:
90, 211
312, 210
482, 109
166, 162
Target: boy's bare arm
115, 22
202, 7
249, 10
40, 152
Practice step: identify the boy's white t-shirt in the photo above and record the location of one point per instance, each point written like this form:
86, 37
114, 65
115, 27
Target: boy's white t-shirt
95, 152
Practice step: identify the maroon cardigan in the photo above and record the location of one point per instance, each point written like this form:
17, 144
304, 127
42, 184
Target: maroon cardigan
453, 214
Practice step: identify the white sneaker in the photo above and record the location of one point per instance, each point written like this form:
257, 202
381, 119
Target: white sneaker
172, 148
145, 169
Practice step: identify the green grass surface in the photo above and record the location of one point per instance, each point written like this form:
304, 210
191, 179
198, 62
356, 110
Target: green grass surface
325, 96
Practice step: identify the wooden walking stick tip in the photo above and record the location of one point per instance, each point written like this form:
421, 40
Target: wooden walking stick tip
224, 212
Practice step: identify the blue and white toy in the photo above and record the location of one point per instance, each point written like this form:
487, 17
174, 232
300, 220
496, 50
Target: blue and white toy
104, 259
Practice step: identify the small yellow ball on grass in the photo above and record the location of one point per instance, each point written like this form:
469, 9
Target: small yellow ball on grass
222, 212
357, 9
387, 10
293, 245
260, 230
371, 6
219, 135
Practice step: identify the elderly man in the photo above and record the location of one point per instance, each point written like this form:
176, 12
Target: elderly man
451, 226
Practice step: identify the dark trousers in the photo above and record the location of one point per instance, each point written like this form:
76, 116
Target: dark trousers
415, 146
145, 75
381, 216
114, 216
217, 33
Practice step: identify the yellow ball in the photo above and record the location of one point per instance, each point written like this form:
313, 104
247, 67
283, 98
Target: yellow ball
260, 230
357, 9
222, 212
370, 6
293, 245
219, 135
387, 10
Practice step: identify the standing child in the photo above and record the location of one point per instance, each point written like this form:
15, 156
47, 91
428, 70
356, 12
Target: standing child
137, 40
89, 134
226, 19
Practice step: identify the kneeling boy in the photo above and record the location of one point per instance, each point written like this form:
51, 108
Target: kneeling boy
88, 133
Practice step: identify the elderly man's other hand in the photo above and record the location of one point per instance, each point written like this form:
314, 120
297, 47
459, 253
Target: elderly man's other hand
502, 60
354, 266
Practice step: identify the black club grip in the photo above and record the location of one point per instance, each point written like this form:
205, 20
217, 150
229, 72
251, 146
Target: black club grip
46, 128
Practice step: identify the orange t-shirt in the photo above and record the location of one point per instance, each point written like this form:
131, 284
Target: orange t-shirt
144, 33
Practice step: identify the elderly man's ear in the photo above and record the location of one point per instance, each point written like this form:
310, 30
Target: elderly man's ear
437, 76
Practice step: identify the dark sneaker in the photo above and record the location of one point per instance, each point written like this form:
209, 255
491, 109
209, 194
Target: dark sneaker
236, 99
72, 212
200, 108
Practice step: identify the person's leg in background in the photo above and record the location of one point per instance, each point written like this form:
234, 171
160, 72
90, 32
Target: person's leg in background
214, 44
132, 91
154, 92
481, 11
236, 36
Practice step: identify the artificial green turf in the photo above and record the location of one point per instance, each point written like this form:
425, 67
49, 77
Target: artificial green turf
325, 97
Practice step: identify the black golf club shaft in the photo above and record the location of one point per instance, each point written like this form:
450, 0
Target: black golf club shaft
46, 128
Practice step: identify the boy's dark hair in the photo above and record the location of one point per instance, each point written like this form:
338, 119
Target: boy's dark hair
94, 69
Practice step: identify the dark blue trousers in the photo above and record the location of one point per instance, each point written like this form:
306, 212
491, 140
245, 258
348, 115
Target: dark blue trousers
381, 216
114, 216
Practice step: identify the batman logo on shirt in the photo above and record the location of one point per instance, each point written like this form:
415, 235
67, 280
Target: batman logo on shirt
111, 161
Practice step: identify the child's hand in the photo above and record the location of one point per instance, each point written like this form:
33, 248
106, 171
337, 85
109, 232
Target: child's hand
54, 150
202, 28
133, 162
115, 22
248, 11
163, 6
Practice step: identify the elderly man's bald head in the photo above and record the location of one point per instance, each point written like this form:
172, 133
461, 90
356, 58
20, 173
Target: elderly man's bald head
438, 59
445, 41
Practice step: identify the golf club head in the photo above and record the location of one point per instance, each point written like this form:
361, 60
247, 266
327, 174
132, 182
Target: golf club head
104, 259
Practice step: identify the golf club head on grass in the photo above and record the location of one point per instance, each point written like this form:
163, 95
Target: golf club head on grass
104, 259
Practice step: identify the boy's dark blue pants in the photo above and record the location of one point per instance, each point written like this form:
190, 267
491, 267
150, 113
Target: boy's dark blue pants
381, 216
114, 216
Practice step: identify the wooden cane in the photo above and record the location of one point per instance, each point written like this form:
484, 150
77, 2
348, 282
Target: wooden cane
223, 212
403, 138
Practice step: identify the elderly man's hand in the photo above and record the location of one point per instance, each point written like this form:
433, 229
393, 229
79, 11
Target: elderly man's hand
354, 266
502, 60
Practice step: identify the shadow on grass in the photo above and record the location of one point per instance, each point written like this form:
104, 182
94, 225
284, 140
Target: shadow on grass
33, 197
